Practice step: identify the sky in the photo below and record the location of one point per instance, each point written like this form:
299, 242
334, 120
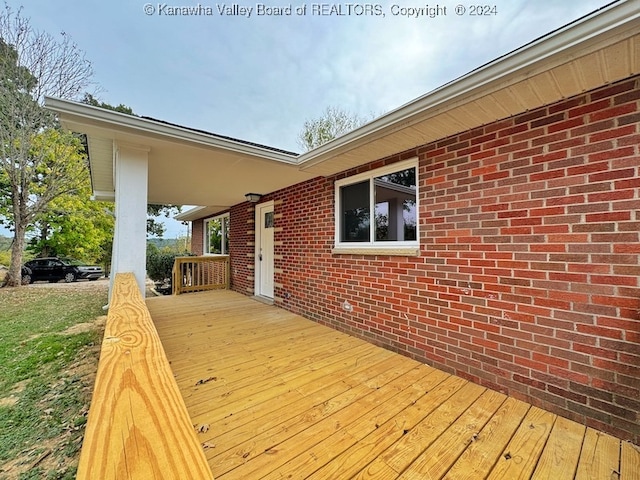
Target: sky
256, 71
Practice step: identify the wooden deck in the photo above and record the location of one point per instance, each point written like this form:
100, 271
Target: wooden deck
273, 395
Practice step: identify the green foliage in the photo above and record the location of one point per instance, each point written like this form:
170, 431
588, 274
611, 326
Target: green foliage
5, 259
159, 265
333, 122
94, 102
71, 224
5, 244
75, 226
214, 230
5, 252
154, 227
178, 245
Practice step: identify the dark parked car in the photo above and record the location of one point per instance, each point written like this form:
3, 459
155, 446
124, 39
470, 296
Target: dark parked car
54, 269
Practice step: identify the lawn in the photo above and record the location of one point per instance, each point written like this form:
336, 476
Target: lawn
49, 346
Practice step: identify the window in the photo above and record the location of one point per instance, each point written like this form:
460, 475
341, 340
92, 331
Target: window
268, 220
378, 208
216, 235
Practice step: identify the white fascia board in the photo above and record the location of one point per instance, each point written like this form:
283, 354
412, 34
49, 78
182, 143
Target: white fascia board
537, 52
102, 196
192, 213
117, 120
199, 212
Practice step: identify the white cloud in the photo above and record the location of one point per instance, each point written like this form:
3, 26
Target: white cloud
260, 78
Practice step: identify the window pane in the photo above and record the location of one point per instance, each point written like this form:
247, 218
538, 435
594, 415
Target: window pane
225, 224
214, 234
354, 202
268, 220
395, 206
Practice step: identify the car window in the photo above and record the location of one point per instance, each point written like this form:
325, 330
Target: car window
71, 261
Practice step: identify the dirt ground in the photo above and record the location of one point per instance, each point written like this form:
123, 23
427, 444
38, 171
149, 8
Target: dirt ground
98, 285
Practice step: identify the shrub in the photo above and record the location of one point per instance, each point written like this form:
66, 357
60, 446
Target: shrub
159, 265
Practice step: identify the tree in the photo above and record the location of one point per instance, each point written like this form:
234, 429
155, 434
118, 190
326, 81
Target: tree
94, 102
154, 227
333, 122
36, 160
75, 226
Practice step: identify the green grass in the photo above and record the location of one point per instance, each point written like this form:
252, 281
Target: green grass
44, 367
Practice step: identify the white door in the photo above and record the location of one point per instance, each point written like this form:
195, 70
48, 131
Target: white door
264, 250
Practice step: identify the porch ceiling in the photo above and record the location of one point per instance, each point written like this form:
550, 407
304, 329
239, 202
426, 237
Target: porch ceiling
185, 166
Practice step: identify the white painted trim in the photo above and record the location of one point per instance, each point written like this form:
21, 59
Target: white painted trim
391, 251
258, 226
103, 196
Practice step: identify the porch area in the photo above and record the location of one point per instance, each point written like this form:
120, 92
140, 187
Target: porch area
272, 395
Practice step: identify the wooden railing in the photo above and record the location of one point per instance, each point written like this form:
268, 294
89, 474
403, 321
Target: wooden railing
196, 274
138, 425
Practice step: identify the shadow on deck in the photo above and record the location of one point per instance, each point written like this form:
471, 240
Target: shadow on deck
273, 395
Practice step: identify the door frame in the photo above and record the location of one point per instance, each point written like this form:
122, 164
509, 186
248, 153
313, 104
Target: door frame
260, 209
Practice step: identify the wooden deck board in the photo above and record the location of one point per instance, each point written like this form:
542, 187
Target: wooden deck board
278, 396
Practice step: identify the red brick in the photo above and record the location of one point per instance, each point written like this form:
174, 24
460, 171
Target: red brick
589, 108
613, 133
612, 154
616, 89
627, 97
609, 217
629, 119
549, 257
614, 112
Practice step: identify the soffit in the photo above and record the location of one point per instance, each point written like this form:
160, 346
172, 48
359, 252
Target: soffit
556, 73
182, 171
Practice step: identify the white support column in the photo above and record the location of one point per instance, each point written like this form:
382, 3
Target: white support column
130, 235
396, 219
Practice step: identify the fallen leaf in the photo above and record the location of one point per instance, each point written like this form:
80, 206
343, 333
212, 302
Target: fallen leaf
207, 380
202, 428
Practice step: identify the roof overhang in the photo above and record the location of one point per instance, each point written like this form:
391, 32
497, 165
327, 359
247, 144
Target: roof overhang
600, 48
196, 213
185, 166
188, 167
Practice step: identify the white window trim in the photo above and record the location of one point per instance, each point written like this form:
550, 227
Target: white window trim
407, 248
205, 230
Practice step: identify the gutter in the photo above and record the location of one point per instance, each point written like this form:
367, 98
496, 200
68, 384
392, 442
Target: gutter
578, 32
102, 118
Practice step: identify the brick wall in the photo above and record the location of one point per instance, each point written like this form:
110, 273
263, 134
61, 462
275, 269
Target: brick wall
527, 281
242, 247
197, 237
